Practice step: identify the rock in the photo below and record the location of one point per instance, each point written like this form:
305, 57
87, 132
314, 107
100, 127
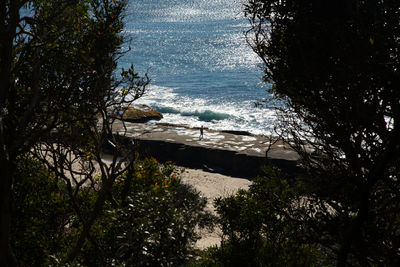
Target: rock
141, 114
225, 153
246, 133
226, 162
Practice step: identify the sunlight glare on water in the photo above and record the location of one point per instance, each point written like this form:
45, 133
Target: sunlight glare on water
203, 72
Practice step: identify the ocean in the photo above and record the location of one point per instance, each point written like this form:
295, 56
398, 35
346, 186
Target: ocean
202, 70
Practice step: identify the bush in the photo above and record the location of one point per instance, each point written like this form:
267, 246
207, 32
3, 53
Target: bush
40, 214
261, 227
149, 220
152, 221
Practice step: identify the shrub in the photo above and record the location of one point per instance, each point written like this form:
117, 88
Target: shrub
152, 221
40, 214
262, 227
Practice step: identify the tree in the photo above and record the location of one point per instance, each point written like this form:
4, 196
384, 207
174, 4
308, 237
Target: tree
58, 89
152, 219
335, 65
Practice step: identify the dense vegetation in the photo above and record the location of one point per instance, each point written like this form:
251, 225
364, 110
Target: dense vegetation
58, 87
263, 227
150, 221
335, 67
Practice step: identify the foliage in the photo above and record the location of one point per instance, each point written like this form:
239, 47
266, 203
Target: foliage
336, 65
58, 87
151, 220
40, 215
63, 60
261, 227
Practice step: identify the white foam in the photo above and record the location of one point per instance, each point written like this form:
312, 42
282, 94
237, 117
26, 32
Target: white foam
243, 115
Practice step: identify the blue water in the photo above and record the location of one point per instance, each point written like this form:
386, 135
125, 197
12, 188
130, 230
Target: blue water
202, 71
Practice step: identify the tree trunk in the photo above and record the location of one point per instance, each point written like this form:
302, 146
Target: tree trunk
7, 257
97, 210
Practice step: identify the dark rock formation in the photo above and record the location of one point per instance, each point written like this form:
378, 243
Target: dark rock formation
141, 114
237, 132
214, 160
236, 154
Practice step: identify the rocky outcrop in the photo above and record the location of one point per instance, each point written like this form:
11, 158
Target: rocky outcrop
140, 114
237, 155
237, 132
211, 159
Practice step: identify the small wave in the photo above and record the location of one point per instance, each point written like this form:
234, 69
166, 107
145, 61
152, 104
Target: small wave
207, 115
168, 110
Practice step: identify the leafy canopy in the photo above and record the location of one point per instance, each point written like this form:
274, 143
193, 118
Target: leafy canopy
336, 66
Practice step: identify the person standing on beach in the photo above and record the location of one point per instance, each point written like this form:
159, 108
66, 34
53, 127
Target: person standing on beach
201, 132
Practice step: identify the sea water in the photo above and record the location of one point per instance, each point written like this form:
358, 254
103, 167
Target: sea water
202, 70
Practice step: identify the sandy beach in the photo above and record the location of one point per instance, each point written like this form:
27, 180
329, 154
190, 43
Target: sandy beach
211, 186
